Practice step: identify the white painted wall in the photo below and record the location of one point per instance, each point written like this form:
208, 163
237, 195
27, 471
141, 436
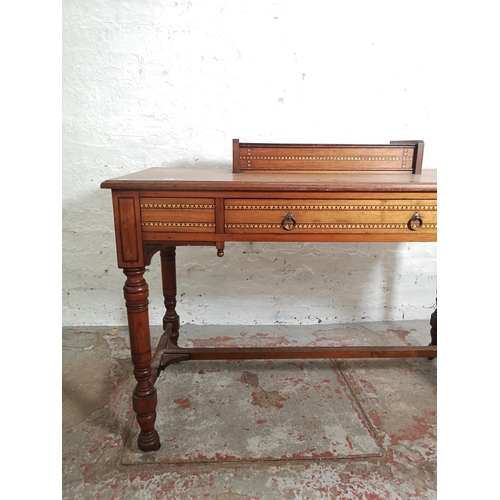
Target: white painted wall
163, 82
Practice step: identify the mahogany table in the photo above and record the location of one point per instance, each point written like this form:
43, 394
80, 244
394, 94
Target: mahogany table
275, 193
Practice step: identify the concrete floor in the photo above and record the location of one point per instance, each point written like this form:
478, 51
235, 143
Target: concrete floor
313, 429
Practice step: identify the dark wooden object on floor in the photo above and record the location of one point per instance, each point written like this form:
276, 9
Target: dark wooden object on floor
275, 193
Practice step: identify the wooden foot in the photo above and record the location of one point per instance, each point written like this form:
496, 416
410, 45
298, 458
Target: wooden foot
145, 408
136, 294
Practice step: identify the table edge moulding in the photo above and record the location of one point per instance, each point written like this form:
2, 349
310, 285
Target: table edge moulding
274, 193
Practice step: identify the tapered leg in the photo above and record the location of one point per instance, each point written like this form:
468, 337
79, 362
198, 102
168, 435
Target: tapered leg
144, 397
169, 282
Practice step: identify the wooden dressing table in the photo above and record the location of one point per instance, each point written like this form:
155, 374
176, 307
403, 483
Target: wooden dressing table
275, 193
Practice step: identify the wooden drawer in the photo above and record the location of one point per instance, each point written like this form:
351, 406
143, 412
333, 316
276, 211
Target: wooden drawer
348, 216
178, 215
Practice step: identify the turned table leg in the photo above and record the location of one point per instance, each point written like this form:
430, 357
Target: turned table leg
169, 282
144, 397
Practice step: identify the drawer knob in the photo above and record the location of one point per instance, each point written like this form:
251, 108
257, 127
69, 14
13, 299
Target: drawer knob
415, 223
288, 223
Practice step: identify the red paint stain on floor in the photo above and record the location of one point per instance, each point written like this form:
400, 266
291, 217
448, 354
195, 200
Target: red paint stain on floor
218, 341
274, 341
183, 403
422, 429
349, 443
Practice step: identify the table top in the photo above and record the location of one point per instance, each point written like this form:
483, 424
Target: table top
220, 179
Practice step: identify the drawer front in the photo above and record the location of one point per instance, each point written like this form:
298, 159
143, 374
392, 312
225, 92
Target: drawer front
349, 216
178, 215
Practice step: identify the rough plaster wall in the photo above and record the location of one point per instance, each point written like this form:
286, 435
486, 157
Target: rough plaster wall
158, 82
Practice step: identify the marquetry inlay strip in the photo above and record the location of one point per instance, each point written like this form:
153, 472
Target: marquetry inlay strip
324, 226
326, 158
175, 206
178, 224
332, 207
336, 158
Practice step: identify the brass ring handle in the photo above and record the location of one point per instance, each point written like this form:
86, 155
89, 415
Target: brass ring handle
415, 223
288, 223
